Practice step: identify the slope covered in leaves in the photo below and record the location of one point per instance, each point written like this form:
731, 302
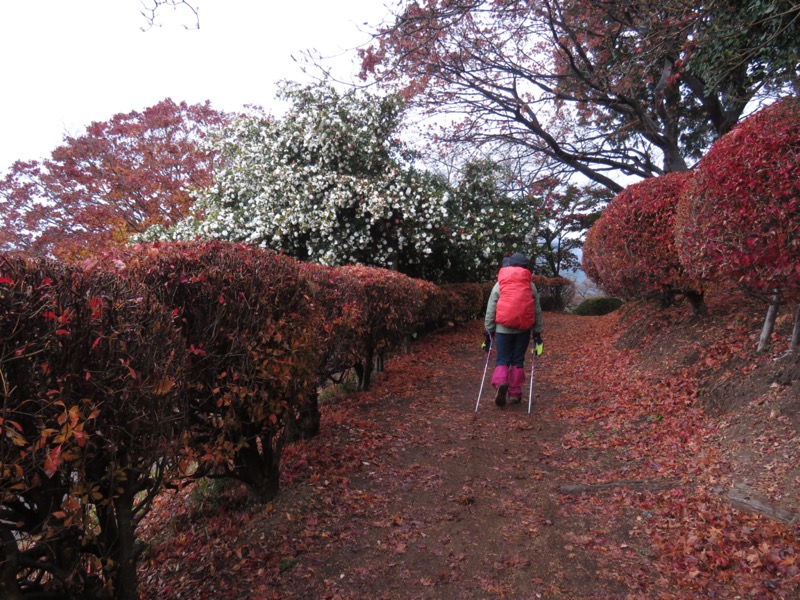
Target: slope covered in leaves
616, 486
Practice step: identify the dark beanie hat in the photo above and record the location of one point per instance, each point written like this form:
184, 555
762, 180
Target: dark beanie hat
518, 260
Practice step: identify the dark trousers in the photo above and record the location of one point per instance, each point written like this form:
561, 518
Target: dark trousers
511, 348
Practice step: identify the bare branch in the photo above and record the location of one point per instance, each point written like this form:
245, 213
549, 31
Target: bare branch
149, 12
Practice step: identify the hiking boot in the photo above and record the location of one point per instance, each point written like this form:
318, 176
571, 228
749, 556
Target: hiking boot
500, 396
515, 399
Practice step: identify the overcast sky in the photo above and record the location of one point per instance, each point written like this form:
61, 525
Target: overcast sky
66, 63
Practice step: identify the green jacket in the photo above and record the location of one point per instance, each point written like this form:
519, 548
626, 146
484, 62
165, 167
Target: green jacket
491, 309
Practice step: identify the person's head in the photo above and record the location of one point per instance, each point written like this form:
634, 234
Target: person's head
518, 260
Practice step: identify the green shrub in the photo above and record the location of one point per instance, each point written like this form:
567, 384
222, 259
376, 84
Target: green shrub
596, 306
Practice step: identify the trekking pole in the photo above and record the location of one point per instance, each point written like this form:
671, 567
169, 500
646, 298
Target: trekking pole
530, 396
486, 368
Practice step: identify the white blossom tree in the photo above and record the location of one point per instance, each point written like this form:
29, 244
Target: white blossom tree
491, 215
331, 182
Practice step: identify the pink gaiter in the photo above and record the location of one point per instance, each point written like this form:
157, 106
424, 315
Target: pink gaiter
499, 376
516, 380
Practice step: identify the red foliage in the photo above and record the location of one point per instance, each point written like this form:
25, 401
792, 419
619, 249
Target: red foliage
740, 217
118, 178
554, 292
592, 256
437, 304
462, 302
250, 334
630, 251
388, 305
366, 312
337, 299
91, 406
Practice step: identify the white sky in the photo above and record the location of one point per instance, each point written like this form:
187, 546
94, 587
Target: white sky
67, 63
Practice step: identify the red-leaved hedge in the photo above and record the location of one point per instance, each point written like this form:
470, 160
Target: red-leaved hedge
640, 259
250, 333
92, 410
741, 211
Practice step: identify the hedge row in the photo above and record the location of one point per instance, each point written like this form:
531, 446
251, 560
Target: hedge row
91, 376
165, 363
731, 220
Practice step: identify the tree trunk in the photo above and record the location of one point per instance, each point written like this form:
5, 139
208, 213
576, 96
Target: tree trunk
795, 346
359, 369
8, 567
117, 541
260, 470
364, 371
126, 583
697, 301
558, 297
306, 425
769, 322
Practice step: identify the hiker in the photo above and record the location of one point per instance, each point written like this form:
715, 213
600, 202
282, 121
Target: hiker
513, 313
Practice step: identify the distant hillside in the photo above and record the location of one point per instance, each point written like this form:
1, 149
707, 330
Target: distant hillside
578, 276
584, 287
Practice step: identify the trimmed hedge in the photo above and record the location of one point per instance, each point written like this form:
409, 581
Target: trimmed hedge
251, 340
92, 412
597, 306
554, 292
366, 312
464, 301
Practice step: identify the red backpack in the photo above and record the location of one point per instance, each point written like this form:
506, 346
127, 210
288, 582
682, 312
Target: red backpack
515, 308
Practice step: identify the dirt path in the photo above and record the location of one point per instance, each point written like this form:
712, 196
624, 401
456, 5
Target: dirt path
454, 504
